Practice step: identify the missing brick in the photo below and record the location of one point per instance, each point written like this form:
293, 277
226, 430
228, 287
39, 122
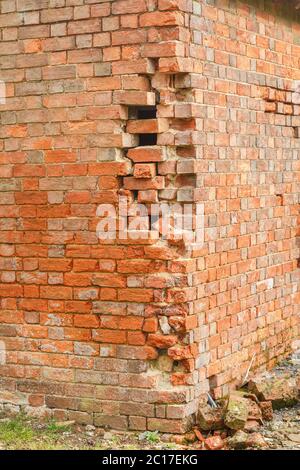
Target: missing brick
146, 140
149, 112
142, 112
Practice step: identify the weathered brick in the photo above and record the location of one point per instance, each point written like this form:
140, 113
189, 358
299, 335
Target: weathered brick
148, 126
156, 18
137, 98
147, 154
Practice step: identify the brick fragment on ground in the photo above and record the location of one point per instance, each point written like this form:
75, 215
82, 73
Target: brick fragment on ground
210, 419
214, 443
241, 440
280, 391
237, 412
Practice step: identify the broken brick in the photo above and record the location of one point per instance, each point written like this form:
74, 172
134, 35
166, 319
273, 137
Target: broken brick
210, 419
237, 412
214, 443
281, 391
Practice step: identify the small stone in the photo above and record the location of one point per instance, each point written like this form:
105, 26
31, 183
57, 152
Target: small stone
252, 426
241, 441
165, 437
237, 412
178, 439
238, 441
90, 428
294, 437
210, 419
190, 437
256, 440
214, 443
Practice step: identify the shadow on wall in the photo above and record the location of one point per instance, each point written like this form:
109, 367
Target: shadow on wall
289, 9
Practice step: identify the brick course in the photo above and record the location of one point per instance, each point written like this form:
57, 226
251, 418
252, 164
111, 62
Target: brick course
132, 335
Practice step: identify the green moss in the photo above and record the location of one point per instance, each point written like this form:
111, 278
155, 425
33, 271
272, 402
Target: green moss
21, 432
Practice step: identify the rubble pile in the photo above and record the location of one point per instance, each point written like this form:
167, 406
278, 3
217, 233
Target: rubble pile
241, 420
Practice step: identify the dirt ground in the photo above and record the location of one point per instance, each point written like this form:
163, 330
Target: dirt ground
22, 432
284, 431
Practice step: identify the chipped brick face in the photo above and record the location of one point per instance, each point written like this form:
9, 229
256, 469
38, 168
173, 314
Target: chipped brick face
132, 334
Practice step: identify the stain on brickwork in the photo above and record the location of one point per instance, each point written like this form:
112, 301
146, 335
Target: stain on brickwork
175, 101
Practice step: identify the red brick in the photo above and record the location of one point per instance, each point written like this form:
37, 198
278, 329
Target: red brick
144, 170
139, 183
147, 154
147, 126
123, 7
156, 18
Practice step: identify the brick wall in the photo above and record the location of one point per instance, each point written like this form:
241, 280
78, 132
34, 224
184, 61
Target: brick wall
176, 101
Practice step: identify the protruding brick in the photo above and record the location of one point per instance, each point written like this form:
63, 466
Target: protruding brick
157, 182
176, 65
147, 126
147, 154
134, 98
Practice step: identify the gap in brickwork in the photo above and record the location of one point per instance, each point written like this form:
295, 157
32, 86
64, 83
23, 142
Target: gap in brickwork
147, 113
142, 112
147, 139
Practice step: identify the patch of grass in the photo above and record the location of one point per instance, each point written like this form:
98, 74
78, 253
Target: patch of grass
52, 428
170, 445
16, 431
149, 436
21, 432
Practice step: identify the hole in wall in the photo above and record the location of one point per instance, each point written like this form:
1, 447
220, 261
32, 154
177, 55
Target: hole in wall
149, 112
147, 139
142, 112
